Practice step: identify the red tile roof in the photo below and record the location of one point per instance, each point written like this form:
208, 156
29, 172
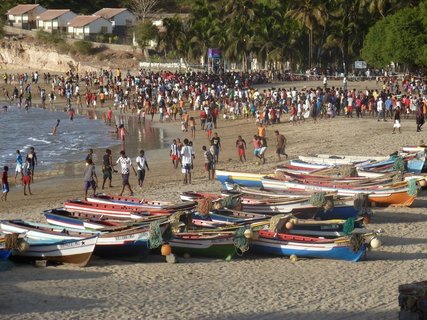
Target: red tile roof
21, 9
81, 21
108, 13
52, 14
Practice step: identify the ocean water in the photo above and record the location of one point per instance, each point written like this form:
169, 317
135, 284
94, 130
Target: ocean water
21, 130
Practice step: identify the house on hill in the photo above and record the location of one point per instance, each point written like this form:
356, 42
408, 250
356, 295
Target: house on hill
121, 19
55, 20
24, 16
88, 27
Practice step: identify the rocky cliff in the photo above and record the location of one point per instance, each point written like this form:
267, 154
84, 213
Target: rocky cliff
20, 55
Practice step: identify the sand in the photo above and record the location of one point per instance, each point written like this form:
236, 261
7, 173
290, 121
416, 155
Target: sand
249, 287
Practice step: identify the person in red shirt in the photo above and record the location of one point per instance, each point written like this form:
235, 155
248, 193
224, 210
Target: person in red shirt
241, 147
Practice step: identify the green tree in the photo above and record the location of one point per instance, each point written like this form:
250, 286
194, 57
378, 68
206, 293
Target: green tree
144, 32
310, 13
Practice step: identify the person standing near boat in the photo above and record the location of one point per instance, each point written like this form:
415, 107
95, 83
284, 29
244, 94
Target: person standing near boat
27, 174
125, 165
142, 164
90, 178
217, 144
241, 147
32, 157
187, 156
419, 117
281, 145
19, 164
107, 168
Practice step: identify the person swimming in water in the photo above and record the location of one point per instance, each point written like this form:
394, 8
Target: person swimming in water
55, 128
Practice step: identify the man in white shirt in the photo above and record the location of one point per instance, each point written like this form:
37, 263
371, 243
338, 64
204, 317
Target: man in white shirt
125, 165
380, 109
141, 164
187, 156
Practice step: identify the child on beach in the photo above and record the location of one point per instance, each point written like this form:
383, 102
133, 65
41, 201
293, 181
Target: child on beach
4, 183
27, 175
209, 163
174, 153
241, 147
209, 126
192, 124
18, 164
90, 178
125, 166
55, 128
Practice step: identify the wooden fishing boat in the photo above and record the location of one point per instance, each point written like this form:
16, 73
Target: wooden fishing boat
339, 160
84, 221
71, 251
110, 210
213, 245
308, 247
397, 195
275, 239
252, 180
116, 243
141, 204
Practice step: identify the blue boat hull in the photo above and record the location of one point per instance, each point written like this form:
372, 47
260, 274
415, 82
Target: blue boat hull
5, 254
282, 248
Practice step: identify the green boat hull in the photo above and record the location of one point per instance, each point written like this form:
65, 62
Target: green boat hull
211, 249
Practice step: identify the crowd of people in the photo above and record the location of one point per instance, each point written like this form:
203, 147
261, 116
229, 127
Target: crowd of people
197, 98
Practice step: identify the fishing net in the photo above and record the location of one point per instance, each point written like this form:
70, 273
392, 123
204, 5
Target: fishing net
318, 199
11, 241
180, 217
347, 170
274, 222
361, 203
356, 242
348, 226
397, 177
155, 239
399, 164
412, 187
204, 206
240, 241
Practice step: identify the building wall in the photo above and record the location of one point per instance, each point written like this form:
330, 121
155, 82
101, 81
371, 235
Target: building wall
125, 18
65, 18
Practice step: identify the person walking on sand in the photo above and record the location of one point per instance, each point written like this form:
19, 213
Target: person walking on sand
174, 153
19, 164
241, 148
419, 117
32, 157
142, 165
4, 183
125, 165
27, 176
90, 178
396, 121
281, 145
107, 168
217, 144
209, 163
187, 157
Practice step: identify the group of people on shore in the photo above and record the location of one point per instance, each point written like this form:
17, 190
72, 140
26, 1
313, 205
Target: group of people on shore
125, 164
24, 170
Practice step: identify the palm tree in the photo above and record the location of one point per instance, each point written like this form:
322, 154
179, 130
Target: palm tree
310, 13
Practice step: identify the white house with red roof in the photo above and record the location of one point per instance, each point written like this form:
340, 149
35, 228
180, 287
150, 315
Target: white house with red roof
87, 27
24, 15
55, 20
121, 19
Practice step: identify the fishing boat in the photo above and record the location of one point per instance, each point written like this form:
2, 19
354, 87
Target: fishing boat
116, 243
252, 180
277, 241
71, 251
339, 160
390, 195
218, 245
141, 204
111, 210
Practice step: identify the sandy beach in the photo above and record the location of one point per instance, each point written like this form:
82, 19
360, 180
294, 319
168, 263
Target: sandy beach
249, 287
